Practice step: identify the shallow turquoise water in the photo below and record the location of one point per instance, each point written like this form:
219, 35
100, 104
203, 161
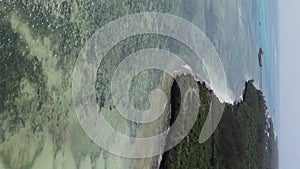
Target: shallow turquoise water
238, 29
265, 30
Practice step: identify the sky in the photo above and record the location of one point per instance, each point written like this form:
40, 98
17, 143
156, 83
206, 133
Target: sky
289, 37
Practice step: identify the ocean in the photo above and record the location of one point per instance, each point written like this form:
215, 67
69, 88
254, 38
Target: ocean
264, 19
237, 30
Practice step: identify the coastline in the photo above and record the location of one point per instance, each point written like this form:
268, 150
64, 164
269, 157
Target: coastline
37, 118
244, 133
265, 31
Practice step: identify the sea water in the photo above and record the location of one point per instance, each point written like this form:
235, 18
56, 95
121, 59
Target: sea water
264, 21
238, 29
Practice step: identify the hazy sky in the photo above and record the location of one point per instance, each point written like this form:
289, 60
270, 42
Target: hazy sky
289, 21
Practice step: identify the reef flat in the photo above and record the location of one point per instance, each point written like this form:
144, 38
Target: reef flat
39, 44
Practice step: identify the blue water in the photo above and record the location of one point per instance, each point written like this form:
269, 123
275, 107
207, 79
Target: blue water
266, 36
237, 30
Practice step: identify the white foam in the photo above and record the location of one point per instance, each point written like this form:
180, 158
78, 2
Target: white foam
224, 97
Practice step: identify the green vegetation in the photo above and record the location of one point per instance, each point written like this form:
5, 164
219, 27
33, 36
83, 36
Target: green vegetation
39, 44
244, 138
